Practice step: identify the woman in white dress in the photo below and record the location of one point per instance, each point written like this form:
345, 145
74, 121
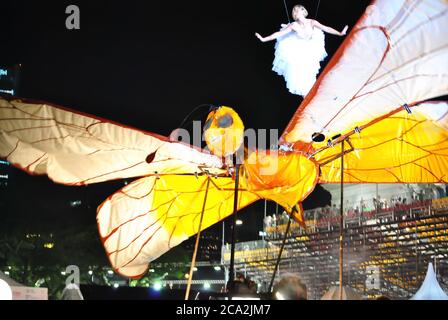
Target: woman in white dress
299, 50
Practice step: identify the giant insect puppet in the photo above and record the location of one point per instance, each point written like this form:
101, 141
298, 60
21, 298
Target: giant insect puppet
366, 120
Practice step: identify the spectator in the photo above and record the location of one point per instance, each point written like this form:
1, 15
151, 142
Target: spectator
363, 207
290, 287
285, 217
252, 285
267, 222
242, 286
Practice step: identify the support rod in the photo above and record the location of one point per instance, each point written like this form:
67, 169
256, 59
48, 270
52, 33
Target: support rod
233, 228
341, 228
196, 246
279, 257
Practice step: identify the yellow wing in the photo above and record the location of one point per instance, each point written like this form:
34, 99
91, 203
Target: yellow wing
153, 214
394, 59
399, 148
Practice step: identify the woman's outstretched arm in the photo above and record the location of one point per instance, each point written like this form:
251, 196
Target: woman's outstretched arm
275, 35
317, 24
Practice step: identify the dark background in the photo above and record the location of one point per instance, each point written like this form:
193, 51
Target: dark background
147, 64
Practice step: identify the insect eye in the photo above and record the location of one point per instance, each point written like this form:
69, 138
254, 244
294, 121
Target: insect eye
317, 137
225, 121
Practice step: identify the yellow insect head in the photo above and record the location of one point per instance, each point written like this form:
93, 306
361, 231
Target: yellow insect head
223, 131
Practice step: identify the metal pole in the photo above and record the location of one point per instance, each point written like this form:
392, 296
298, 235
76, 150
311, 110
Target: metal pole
264, 219
377, 200
281, 249
222, 253
233, 226
435, 265
193, 261
416, 252
223, 234
341, 227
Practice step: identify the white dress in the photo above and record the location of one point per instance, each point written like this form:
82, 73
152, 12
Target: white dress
298, 60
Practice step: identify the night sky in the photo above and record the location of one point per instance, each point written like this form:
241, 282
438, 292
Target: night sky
147, 64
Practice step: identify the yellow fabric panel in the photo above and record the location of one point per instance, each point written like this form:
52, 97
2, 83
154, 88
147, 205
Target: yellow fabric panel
402, 148
153, 214
284, 177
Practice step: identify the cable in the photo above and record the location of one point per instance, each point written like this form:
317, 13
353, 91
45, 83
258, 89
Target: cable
317, 9
287, 12
211, 107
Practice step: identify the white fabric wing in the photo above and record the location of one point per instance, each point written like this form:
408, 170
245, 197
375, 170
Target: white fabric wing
76, 149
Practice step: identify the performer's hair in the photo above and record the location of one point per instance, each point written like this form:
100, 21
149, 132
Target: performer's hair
297, 7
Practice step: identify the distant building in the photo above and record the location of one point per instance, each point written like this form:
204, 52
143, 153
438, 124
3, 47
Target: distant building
366, 197
5, 173
9, 79
209, 247
9, 84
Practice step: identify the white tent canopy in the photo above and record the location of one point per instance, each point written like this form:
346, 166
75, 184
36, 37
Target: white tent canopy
10, 281
72, 292
430, 289
21, 292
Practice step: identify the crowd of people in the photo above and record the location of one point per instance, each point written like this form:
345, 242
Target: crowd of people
363, 209
289, 287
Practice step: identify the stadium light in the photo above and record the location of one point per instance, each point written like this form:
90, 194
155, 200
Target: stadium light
157, 286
